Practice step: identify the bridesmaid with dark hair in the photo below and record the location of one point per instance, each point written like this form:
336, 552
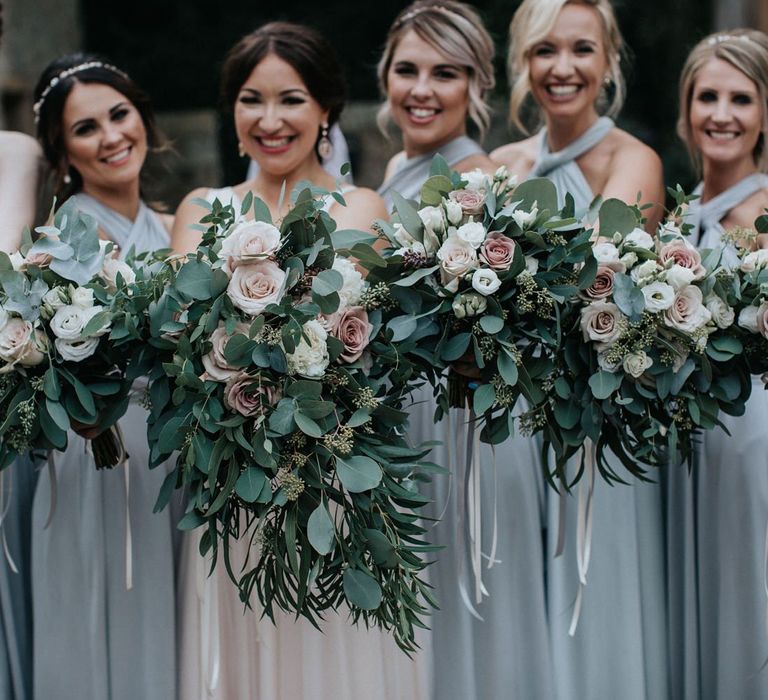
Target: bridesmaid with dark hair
718, 514
284, 84
103, 579
20, 170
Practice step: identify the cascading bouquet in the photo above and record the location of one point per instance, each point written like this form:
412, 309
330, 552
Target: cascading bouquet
68, 332
650, 356
752, 309
281, 395
483, 270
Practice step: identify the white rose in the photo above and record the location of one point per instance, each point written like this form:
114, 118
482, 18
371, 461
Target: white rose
254, 287
658, 296
473, 233
110, 270
605, 253
250, 241
531, 265
457, 257
69, 321
605, 364
755, 260
748, 319
476, 180
688, 312
453, 211
21, 344
644, 273
524, 218
310, 358
433, 218
601, 322
402, 236
354, 284
639, 239
485, 282
82, 297
78, 349
679, 277
636, 363
722, 314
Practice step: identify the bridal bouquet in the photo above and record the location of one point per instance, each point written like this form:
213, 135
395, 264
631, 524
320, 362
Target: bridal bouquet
67, 334
281, 396
651, 355
483, 271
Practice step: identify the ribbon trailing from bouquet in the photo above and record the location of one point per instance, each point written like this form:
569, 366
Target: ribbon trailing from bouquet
584, 528
4, 508
210, 639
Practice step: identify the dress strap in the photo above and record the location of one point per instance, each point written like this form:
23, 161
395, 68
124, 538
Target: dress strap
548, 161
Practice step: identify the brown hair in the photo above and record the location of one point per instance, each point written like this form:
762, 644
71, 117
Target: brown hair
307, 51
51, 94
456, 30
747, 51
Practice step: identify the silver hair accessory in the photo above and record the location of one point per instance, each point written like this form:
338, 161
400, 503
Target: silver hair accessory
66, 74
720, 38
419, 10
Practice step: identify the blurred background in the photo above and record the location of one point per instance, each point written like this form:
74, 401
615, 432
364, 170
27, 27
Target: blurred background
174, 49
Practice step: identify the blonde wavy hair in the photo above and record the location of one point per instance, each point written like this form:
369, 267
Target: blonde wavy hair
456, 30
532, 22
747, 51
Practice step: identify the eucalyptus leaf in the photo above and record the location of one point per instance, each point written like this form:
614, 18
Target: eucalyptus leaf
361, 589
603, 383
358, 473
320, 530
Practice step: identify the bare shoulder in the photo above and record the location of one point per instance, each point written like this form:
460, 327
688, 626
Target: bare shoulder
188, 202
519, 156
628, 151
750, 209
167, 220
16, 145
394, 161
478, 161
363, 206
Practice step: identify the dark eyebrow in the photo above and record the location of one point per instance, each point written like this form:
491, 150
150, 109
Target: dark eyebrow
282, 92
81, 122
114, 109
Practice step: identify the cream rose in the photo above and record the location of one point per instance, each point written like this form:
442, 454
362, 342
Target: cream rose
688, 312
722, 314
82, 297
457, 257
748, 319
353, 329
310, 358
249, 242
473, 233
636, 363
756, 260
601, 322
679, 277
354, 284
497, 251
255, 286
110, 270
21, 344
433, 218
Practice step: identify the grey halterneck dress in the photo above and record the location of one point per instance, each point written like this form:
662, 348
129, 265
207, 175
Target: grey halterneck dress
717, 520
94, 638
619, 646
500, 648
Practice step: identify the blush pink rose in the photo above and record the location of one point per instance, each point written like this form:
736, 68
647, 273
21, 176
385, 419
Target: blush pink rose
470, 201
353, 329
457, 257
762, 319
602, 287
601, 323
687, 313
215, 363
250, 241
254, 287
246, 395
21, 344
684, 254
497, 251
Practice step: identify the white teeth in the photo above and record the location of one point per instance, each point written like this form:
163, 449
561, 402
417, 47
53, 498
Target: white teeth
118, 156
722, 135
422, 113
562, 90
275, 143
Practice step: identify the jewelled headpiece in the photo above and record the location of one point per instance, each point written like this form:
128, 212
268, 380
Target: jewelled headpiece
427, 8
721, 38
68, 72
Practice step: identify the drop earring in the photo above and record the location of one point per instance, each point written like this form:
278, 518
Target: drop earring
67, 179
324, 145
241, 149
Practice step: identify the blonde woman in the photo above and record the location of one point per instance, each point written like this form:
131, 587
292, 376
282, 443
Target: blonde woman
435, 73
564, 69
718, 516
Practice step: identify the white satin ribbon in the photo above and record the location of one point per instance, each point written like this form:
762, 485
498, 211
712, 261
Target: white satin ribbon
208, 599
584, 528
